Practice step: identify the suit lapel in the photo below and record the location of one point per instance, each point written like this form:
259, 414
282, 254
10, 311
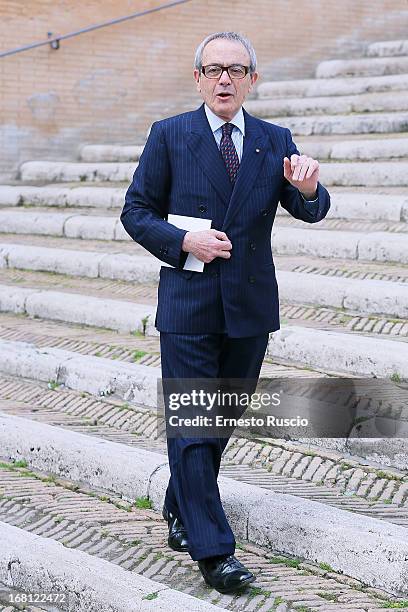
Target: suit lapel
255, 146
201, 143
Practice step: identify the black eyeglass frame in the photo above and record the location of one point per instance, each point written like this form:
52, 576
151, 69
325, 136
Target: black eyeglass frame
226, 68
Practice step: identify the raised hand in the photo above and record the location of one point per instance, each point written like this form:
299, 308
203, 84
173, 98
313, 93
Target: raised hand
303, 173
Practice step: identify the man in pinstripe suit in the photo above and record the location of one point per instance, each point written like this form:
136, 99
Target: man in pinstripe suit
219, 163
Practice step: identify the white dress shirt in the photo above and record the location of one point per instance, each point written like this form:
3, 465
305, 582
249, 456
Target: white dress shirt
237, 134
238, 131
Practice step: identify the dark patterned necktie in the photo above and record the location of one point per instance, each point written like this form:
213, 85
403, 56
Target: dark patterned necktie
229, 152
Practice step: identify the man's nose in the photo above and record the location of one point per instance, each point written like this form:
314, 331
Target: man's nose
225, 78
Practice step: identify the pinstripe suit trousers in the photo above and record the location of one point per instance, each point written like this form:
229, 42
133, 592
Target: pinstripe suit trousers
192, 493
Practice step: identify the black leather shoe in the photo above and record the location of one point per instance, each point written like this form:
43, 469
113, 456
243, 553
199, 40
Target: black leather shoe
177, 539
225, 573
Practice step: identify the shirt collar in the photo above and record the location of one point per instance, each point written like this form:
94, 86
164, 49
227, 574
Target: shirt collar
216, 122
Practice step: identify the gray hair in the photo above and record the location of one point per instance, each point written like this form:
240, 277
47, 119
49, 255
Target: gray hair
198, 60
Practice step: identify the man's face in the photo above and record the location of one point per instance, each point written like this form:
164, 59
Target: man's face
224, 95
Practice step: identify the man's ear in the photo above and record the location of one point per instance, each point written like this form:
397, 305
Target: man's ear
197, 79
254, 78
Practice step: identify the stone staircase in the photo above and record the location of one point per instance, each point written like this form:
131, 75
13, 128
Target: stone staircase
322, 522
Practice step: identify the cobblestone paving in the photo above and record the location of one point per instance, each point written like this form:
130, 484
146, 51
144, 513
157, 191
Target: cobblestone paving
147, 294
391, 271
319, 475
88, 340
134, 537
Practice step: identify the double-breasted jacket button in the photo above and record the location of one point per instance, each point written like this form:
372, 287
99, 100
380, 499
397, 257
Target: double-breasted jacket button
251, 279
165, 251
264, 212
252, 246
202, 208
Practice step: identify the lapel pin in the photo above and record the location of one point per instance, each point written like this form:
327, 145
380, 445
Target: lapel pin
257, 150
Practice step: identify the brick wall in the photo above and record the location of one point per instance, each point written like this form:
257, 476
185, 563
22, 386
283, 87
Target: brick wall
109, 85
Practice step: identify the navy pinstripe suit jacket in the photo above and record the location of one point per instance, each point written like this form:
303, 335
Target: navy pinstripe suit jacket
181, 171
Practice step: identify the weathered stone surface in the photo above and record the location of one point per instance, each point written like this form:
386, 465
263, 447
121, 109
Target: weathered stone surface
329, 105
287, 523
344, 124
33, 564
388, 48
365, 174
94, 264
61, 197
110, 153
375, 246
96, 375
376, 66
367, 356
338, 86
368, 297
72, 171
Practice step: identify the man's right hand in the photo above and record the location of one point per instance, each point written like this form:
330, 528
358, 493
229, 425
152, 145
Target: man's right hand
207, 245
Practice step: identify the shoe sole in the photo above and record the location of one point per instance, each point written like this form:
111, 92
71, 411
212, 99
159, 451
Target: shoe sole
233, 589
177, 548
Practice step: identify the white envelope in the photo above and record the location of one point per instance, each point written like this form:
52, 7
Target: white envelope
192, 224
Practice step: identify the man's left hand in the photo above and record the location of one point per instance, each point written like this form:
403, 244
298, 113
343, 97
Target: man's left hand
303, 173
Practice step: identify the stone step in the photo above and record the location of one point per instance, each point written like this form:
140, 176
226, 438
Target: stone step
367, 296
387, 48
375, 246
85, 582
93, 264
338, 86
341, 472
358, 354
350, 295
71, 224
342, 124
328, 105
107, 262
359, 545
344, 225
107, 153
119, 171
291, 312
133, 539
367, 355
57, 196
82, 309
119, 346
366, 174
383, 173
357, 150
98, 376
144, 350
76, 171
76, 225
364, 149
365, 67
345, 203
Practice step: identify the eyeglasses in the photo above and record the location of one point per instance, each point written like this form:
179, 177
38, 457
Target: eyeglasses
214, 71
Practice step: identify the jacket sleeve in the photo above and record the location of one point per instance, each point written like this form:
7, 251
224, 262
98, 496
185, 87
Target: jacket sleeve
292, 200
146, 203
